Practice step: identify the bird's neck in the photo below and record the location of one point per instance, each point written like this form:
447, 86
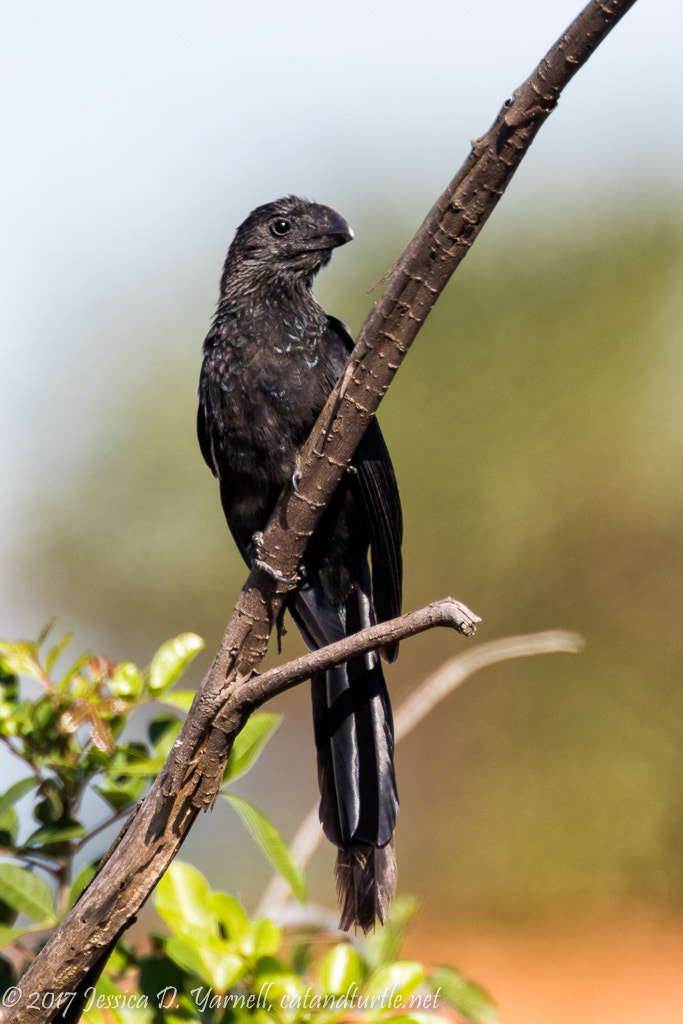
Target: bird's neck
242, 281
255, 298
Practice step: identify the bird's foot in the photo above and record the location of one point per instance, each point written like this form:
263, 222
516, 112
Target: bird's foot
256, 553
296, 475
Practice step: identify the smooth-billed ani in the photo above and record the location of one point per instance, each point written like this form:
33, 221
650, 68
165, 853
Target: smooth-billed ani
271, 359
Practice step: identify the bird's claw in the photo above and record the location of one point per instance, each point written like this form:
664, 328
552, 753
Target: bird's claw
273, 573
256, 552
296, 475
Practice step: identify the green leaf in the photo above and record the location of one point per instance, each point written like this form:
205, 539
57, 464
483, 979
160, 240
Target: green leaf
225, 966
14, 794
186, 955
44, 633
274, 980
8, 936
216, 965
126, 680
42, 717
231, 915
179, 699
54, 653
184, 895
171, 660
162, 733
250, 742
156, 973
271, 842
9, 827
27, 892
470, 1000
73, 670
218, 970
121, 792
340, 968
49, 834
123, 755
146, 767
122, 959
83, 878
93, 1016
262, 939
21, 657
49, 809
9, 686
395, 982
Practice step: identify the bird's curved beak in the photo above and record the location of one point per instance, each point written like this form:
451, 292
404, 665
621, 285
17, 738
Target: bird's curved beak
328, 228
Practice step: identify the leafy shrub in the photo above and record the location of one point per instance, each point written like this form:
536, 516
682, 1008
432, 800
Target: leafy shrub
215, 964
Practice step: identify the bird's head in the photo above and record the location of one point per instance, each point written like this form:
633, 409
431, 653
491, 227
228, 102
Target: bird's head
282, 243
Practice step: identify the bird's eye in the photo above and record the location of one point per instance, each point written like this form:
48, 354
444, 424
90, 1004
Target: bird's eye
280, 226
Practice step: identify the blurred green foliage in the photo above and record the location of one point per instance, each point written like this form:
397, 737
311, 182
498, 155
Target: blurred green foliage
536, 428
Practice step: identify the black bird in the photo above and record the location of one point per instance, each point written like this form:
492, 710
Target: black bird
270, 361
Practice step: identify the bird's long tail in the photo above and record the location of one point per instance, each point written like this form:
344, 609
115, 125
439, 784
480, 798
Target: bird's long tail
366, 882
355, 744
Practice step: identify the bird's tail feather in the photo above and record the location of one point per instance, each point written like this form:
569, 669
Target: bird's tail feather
366, 882
355, 743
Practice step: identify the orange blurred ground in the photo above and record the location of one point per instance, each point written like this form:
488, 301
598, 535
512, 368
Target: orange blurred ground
624, 970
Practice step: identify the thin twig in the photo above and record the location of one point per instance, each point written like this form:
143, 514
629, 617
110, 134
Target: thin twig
9, 851
25, 950
447, 612
111, 820
17, 753
454, 672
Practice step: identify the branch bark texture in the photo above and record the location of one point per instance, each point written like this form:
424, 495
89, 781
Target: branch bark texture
193, 772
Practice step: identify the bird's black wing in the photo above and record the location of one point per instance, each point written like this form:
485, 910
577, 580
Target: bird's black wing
383, 505
380, 494
206, 446
205, 439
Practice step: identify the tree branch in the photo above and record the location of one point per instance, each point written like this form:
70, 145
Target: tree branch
446, 612
194, 769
